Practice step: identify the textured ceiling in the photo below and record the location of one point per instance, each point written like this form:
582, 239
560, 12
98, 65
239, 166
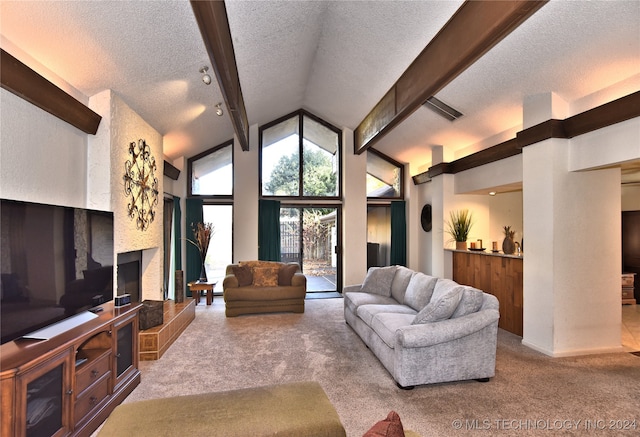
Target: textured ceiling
334, 59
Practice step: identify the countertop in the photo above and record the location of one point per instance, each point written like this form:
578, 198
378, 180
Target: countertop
487, 252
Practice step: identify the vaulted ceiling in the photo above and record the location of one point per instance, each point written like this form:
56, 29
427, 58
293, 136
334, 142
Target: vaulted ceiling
336, 59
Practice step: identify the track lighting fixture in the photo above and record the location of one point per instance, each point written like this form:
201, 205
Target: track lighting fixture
219, 110
205, 76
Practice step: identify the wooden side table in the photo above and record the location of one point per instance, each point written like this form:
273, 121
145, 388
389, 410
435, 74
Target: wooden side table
197, 287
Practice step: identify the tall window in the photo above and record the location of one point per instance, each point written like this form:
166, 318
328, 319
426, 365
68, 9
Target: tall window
211, 172
300, 157
211, 178
300, 167
384, 176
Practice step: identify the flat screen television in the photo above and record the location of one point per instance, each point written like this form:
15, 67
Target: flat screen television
55, 262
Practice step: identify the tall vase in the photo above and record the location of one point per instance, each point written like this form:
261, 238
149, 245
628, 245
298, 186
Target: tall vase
203, 274
508, 245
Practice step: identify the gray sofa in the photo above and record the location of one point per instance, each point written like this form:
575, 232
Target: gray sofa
423, 329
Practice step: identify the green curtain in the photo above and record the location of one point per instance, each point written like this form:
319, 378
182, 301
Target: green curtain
193, 216
177, 230
269, 230
398, 233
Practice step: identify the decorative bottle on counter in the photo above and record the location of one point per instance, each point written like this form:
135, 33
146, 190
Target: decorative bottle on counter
508, 245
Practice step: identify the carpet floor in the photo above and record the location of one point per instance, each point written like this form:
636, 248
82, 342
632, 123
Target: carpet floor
531, 394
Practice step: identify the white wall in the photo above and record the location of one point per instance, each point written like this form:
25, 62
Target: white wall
505, 209
354, 211
631, 198
42, 158
425, 239
245, 201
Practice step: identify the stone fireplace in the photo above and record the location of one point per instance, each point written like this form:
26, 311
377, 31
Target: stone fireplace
107, 154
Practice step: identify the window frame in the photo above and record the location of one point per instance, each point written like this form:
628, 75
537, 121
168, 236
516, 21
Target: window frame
218, 197
301, 113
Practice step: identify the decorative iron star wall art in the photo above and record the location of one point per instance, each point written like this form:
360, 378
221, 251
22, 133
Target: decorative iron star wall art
141, 184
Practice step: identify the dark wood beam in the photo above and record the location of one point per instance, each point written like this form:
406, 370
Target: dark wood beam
616, 111
22, 81
214, 27
482, 157
540, 132
470, 33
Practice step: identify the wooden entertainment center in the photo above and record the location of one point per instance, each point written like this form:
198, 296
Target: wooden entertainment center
68, 385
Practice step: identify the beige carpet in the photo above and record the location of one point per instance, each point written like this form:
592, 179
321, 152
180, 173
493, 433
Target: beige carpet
531, 393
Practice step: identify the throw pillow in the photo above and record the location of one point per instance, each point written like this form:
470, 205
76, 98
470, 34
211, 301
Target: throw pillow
243, 273
389, 427
378, 280
439, 309
470, 302
419, 290
285, 274
265, 276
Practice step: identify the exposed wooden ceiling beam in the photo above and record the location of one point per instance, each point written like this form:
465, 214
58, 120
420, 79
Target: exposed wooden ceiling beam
214, 27
471, 32
22, 81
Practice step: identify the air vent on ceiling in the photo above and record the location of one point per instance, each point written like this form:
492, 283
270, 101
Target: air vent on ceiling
442, 109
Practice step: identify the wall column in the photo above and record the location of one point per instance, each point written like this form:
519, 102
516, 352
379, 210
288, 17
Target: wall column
245, 199
354, 210
572, 255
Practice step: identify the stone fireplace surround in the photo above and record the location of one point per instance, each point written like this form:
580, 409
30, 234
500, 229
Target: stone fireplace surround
107, 153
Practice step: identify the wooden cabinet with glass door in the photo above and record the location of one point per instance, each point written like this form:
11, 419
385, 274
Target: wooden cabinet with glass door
70, 383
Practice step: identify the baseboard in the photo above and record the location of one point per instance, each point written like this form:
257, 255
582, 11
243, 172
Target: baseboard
155, 341
573, 352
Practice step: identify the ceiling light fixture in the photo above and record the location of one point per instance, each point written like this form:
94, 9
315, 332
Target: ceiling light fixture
205, 76
219, 110
492, 193
442, 109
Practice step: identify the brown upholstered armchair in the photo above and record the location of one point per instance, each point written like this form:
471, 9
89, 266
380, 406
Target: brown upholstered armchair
253, 287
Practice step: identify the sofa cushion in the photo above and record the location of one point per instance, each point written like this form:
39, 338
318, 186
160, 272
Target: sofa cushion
353, 299
440, 308
265, 276
259, 263
389, 427
367, 312
399, 284
379, 279
285, 274
386, 325
470, 302
419, 290
244, 275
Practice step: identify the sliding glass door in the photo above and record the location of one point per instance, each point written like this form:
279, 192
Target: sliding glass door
310, 236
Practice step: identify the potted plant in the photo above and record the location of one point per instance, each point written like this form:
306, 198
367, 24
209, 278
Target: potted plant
458, 226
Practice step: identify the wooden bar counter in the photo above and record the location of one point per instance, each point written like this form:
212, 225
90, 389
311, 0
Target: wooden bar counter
497, 274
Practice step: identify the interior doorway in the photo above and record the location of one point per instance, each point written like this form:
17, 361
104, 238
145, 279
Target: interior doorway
310, 236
